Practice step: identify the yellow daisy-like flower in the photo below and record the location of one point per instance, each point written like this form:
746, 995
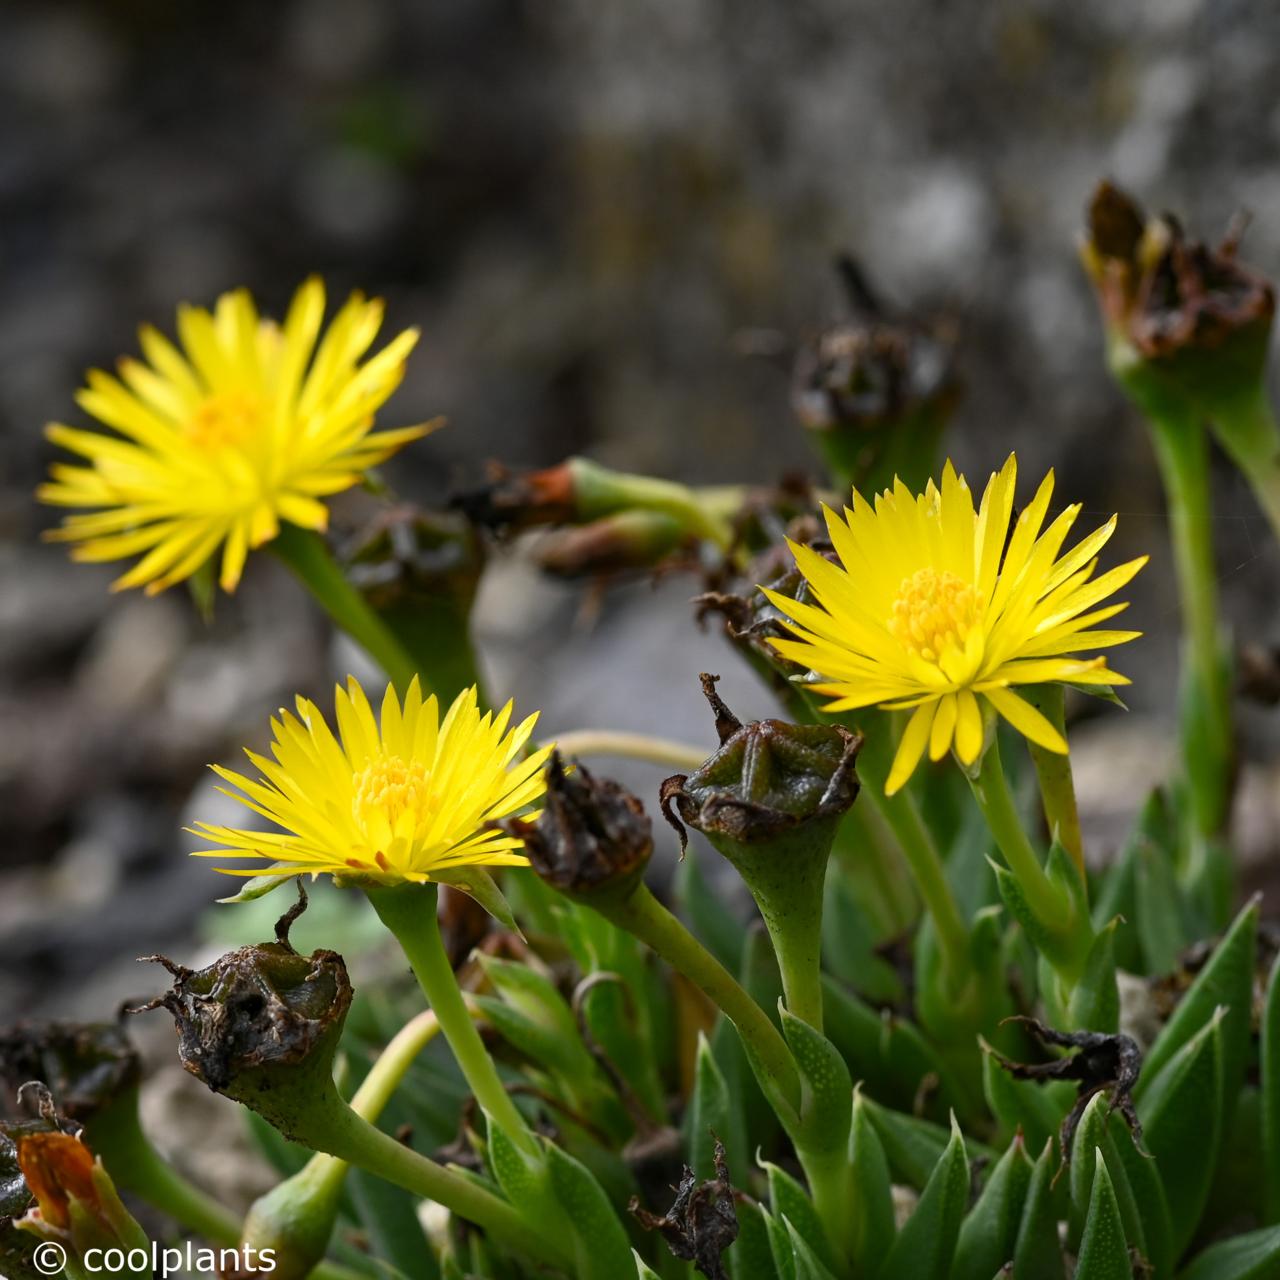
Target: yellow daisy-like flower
935, 606
406, 799
249, 424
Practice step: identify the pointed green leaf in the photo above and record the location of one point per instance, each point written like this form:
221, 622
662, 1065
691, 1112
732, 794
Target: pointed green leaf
1182, 1121
643, 1270
480, 885
808, 1265
828, 1106
1255, 1256
926, 1245
989, 1233
601, 1248
258, 887
789, 1201
1093, 1134
872, 1208
1270, 1086
713, 1113
749, 1257
1159, 923
913, 1147
1038, 1254
1104, 1254
784, 1258
1095, 999
1152, 1208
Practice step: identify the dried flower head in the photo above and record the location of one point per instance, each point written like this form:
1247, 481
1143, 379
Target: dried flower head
406, 797
936, 608
249, 424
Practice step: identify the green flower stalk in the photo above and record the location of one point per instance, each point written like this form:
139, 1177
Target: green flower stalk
295, 1219
262, 1025
874, 393
769, 800
592, 843
1188, 329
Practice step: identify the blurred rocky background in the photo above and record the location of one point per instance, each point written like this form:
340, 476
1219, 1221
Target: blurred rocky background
592, 211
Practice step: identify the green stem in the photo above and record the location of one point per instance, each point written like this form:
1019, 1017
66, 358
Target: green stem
306, 554
642, 915
1053, 770
409, 911
336, 1129
297, 1215
631, 746
1182, 452
991, 788
902, 817
834, 1193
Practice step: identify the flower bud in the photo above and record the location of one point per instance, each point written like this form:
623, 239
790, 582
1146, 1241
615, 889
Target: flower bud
76, 1205
874, 393
770, 800
262, 1025
86, 1066
592, 837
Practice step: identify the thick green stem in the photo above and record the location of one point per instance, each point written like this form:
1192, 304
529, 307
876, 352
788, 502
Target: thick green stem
409, 911
914, 839
991, 788
306, 554
831, 1185
642, 915
1053, 770
1182, 451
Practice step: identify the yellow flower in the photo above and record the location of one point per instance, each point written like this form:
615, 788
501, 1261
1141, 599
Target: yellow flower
250, 424
929, 608
406, 799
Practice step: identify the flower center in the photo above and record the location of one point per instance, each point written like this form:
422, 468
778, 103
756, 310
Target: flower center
933, 612
391, 787
224, 420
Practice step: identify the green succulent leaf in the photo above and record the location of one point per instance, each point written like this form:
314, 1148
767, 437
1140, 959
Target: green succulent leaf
872, 1209
1255, 1256
989, 1233
790, 1204
926, 1245
1019, 1104
1104, 1252
1038, 1254
808, 1265
828, 1105
1182, 1122
750, 1257
601, 1247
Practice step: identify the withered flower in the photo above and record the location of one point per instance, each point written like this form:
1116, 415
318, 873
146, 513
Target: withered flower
515, 501
1102, 1063
702, 1221
86, 1066
875, 392
1194, 315
592, 837
261, 1024
769, 800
